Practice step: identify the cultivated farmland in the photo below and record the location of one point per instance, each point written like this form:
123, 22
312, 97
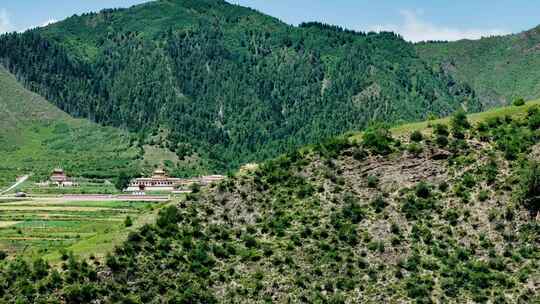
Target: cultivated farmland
52, 226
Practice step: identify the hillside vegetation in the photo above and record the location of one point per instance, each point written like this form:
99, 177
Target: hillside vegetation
499, 69
224, 84
36, 137
444, 214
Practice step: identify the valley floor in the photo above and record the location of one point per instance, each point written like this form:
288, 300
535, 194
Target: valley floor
85, 225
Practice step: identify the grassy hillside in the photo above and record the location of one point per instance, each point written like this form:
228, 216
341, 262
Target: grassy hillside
445, 215
36, 137
499, 69
224, 83
499, 112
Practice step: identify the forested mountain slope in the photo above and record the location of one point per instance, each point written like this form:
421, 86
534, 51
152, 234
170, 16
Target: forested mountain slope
225, 82
446, 215
499, 69
35, 137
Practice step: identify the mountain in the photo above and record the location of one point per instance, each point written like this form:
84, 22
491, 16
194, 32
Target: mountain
499, 69
225, 84
35, 137
416, 216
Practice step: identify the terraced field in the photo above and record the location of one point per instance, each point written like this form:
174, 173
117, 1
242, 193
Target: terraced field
50, 226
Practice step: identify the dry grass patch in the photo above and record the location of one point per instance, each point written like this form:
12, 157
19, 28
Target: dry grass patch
5, 224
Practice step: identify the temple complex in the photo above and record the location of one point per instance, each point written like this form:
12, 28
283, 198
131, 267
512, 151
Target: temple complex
159, 181
59, 178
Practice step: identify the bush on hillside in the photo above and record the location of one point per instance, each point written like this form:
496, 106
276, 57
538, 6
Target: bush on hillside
378, 139
459, 120
530, 187
415, 149
372, 181
534, 121
379, 204
440, 130
441, 141
518, 102
423, 190
128, 222
417, 136
459, 124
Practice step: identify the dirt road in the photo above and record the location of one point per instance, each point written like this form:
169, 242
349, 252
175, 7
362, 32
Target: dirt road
19, 181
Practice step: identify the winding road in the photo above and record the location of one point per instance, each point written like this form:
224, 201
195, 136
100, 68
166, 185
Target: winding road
19, 181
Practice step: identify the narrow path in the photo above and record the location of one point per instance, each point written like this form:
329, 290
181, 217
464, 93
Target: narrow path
20, 181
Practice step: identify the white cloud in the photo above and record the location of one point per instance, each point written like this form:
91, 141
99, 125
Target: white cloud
48, 22
5, 23
413, 28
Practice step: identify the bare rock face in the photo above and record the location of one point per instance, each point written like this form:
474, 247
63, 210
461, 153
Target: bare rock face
535, 154
404, 170
439, 154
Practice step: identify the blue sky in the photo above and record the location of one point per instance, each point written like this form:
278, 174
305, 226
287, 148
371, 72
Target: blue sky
414, 19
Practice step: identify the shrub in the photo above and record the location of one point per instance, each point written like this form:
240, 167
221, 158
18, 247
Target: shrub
533, 110
352, 210
359, 153
482, 127
122, 181
452, 217
444, 186
413, 208
483, 196
379, 204
250, 242
431, 117
378, 139
459, 124
530, 187
440, 129
441, 141
415, 149
3, 255
422, 190
518, 102
468, 180
128, 222
84, 293
112, 262
195, 187
491, 171
534, 121
417, 136
459, 120
420, 288
372, 181
376, 246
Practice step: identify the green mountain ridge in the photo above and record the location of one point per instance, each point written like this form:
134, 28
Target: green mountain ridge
224, 82
499, 68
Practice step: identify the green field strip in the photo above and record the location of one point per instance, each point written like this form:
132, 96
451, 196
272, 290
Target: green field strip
109, 205
58, 224
21, 218
33, 244
86, 214
58, 208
